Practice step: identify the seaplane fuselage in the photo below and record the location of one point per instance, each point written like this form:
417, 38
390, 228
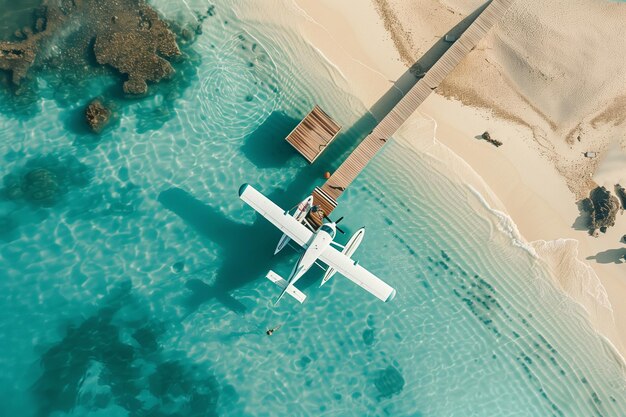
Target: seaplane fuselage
318, 243
317, 247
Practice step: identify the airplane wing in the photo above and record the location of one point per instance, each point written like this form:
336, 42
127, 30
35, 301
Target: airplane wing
277, 216
357, 274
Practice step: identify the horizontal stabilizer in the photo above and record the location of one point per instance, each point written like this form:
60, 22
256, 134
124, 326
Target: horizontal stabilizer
289, 289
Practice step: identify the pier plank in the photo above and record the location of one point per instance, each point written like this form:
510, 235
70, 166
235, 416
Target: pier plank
313, 134
326, 196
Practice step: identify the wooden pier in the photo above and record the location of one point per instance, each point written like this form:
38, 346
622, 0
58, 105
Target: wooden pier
313, 134
325, 197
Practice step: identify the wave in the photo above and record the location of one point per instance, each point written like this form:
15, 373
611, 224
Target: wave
573, 277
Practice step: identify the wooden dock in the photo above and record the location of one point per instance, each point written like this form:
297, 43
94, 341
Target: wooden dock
326, 196
313, 134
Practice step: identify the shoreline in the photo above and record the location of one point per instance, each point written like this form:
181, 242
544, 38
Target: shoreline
540, 203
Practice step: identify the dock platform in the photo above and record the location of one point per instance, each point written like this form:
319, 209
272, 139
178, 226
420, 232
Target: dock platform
326, 196
313, 134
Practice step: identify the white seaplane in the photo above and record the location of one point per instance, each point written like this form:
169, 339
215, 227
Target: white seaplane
317, 245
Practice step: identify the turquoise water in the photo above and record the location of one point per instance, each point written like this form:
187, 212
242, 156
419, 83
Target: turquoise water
95, 322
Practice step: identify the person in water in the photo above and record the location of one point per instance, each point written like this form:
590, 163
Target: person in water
270, 332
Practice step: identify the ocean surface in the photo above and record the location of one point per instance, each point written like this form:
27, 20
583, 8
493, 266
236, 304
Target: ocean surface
139, 289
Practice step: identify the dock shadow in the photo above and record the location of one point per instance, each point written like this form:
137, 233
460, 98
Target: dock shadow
264, 150
610, 256
265, 147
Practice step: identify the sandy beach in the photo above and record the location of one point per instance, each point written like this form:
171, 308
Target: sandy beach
526, 83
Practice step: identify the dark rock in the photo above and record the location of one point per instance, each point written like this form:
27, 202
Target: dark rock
97, 115
389, 382
602, 207
486, 136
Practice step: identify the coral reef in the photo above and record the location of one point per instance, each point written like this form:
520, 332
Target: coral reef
137, 52
45, 180
135, 373
128, 34
389, 382
17, 57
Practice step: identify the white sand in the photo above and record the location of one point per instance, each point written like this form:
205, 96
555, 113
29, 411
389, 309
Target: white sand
550, 72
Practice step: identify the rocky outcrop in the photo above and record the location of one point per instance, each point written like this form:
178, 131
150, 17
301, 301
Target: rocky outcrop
129, 36
602, 206
138, 52
97, 115
16, 58
486, 136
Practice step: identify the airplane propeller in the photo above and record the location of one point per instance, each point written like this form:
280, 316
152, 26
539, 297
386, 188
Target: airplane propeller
336, 223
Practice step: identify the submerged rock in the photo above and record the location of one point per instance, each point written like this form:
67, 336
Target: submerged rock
44, 180
602, 207
389, 382
97, 115
368, 337
41, 186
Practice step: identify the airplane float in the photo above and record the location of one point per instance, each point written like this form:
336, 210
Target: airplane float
317, 245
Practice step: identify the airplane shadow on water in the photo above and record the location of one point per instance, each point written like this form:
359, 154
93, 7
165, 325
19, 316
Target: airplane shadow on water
256, 242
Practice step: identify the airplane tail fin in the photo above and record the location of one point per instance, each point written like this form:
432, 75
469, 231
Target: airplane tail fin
287, 288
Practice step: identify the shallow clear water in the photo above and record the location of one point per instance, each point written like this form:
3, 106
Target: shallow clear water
95, 322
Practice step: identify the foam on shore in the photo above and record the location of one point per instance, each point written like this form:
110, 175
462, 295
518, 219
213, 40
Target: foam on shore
574, 277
